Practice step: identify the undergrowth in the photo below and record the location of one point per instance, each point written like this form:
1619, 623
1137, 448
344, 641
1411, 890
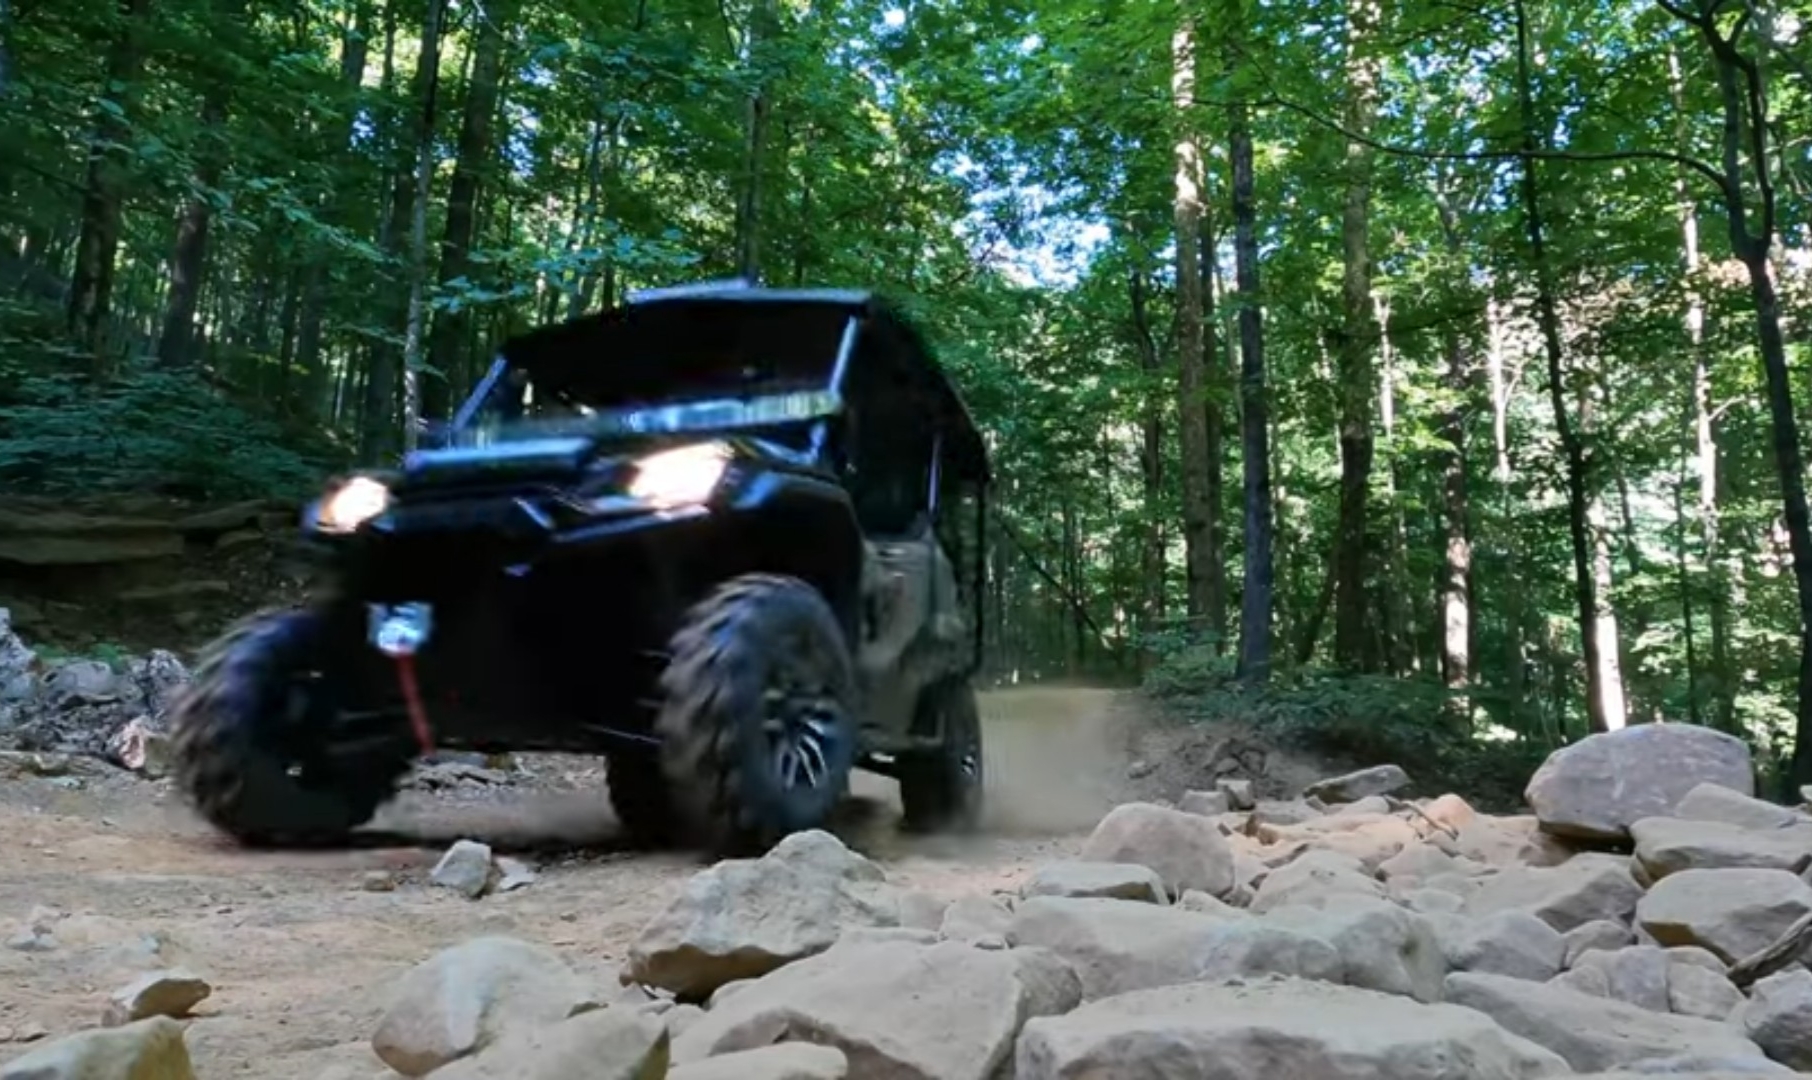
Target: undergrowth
147, 432
1369, 719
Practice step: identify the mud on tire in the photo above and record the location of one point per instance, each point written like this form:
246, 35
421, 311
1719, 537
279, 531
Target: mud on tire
941, 790
249, 746
757, 702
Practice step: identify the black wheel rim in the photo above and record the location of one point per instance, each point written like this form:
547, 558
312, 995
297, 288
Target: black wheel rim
801, 722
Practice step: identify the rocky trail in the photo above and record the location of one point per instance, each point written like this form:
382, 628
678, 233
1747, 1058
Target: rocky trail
1147, 901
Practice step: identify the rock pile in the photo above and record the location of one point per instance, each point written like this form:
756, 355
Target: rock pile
87, 706
1349, 936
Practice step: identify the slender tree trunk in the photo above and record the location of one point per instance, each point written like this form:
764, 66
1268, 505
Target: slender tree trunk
418, 232
1255, 434
1720, 685
1214, 414
1151, 459
379, 426
175, 343
1603, 628
355, 49
453, 328
1459, 381
1397, 644
763, 21
104, 190
1191, 419
1355, 346
1603, 701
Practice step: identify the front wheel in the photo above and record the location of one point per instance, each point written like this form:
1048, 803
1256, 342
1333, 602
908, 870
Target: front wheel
941, 789
251, 739
756, 720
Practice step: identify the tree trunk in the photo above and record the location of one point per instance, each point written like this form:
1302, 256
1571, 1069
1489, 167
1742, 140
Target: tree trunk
1355, 348
453, 329
1603, 702
1456, 523
355, 48
104, 190
762, 26
187, 262
1255, 435
1214, 421
1191, 420
1151, 460
379, 424
418, 232
1603, 628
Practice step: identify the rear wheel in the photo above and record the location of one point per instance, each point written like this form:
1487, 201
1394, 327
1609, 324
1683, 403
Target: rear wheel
252, 744
756, 720
941, 789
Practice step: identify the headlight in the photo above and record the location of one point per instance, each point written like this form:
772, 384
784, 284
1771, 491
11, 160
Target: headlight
353, 504
680, 477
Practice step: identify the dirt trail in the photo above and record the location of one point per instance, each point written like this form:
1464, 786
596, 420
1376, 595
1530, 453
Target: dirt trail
300, 948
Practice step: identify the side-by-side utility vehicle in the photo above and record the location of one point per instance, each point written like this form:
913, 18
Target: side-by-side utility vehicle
728, 537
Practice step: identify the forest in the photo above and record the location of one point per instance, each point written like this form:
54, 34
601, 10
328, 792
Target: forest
1425, 378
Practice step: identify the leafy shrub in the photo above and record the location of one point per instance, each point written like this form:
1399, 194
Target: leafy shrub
145, 431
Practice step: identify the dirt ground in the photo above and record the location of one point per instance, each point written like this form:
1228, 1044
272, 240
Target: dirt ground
301, 948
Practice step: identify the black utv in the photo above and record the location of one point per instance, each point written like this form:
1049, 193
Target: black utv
728, 537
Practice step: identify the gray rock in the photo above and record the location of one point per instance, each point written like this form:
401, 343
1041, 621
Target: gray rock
1114, 881
1377, 780
1778, 1017
1733, 913
465, 868
1598, 787
1597, 934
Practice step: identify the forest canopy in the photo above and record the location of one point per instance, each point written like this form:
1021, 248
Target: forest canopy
1425, 378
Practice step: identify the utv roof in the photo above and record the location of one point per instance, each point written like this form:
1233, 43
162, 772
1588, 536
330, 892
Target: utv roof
625, 346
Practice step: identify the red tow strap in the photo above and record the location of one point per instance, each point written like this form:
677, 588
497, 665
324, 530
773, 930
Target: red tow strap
412, 698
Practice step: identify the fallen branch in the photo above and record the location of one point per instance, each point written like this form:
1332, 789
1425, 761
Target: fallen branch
1782, 954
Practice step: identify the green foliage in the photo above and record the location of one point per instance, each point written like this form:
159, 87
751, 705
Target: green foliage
150, 432
1359, 720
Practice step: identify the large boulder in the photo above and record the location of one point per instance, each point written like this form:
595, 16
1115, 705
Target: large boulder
1513, 943
1382, 946
1665, 845
1778, 1016
1117, 946
1733, 913
897, 1010
1598, 787
1108, 881
742, 918
1592, 1033
1586, 888
1715, 802
1354, 786
465, 998
1185, 850
1314, 879
1275, 1028
601, 1044
150, 1049
781, 1061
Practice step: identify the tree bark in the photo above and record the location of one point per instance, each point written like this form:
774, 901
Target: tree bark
1255, 436
189, 259
762, 26
1191, 419
1354, 352
104, 189
1459, 380
418, 232
1151, 459
1603, 703
355, 49
453, 328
